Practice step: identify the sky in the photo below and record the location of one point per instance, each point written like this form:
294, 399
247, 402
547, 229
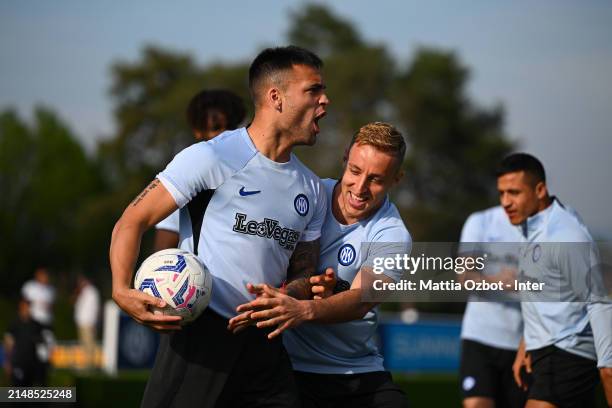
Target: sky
548, 62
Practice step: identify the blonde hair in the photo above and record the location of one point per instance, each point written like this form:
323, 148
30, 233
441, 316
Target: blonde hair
383, 136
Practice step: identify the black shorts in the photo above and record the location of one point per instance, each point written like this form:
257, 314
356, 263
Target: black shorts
563, 378
373, 389
486, 371
205, 365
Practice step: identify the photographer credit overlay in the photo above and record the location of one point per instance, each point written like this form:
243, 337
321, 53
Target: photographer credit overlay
487, 271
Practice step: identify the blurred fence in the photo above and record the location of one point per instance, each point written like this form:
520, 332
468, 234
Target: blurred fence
430, 345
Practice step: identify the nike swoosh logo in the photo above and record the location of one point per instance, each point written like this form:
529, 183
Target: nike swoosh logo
245, 193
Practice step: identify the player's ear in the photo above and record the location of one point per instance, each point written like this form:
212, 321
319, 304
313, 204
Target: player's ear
541, 190
275, 99
398, 176
399, 173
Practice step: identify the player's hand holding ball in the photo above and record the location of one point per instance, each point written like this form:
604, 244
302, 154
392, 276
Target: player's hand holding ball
140, 306
172, 288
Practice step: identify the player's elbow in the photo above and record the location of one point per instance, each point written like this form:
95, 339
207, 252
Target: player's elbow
116, 230
128, 223
606, 373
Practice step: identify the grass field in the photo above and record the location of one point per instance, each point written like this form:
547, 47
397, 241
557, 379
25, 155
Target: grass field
125, 390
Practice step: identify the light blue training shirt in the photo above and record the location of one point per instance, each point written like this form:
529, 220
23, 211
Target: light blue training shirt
170, 223
242, 213
493, 323
577, 317
349, 348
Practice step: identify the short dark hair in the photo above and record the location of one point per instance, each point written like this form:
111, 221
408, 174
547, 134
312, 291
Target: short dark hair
207, 102
273, 60
522, 162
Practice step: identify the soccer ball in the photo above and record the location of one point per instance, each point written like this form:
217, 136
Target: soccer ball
180, 279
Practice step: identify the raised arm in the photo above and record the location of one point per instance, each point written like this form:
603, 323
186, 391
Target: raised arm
150, 206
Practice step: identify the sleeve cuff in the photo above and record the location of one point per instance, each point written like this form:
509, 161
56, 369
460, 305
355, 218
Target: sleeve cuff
179, 197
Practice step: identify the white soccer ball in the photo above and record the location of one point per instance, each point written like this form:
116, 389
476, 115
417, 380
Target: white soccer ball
180, 279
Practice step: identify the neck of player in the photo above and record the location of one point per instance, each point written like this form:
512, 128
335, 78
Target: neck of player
270, 141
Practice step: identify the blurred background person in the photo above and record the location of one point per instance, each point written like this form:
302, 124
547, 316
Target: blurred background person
41, 295
209, 113
567, 337
491, 329
24, 346
86, 314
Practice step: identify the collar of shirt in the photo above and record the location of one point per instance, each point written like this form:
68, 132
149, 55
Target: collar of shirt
534, 225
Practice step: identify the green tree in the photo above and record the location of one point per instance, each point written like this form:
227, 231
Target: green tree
324, 33
151, 96
45, 177
16, 170
454, 145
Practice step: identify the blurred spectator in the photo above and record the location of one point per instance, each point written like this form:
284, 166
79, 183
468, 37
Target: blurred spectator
25, 349
209, 113
86, 313
41, 296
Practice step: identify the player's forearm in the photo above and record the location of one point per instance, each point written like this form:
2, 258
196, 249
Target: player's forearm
342, 307
124, 249
521, 347
150, 206
606, 380
302, 265
600, 319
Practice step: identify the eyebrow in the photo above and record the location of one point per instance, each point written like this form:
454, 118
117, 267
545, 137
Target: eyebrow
370, 175
317, 87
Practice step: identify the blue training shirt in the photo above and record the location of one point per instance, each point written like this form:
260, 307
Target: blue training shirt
349, 348
577, 317
495, 324
241, 213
